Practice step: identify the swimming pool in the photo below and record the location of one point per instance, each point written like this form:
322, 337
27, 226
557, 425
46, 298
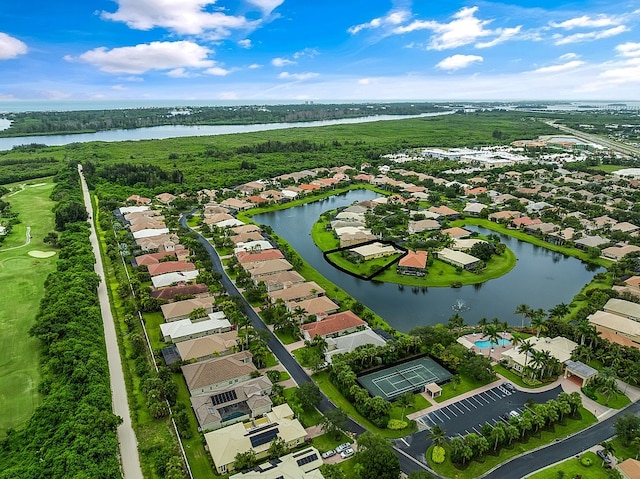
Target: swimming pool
486, 343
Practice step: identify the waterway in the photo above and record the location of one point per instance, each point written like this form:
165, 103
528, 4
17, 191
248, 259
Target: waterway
177, 131
540, 279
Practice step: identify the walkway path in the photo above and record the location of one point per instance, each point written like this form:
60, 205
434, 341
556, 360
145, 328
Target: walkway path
129, 458
26, 243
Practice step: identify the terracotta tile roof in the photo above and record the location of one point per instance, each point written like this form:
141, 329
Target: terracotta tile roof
171, 292
170, 267
333, 324
444, 210
246, 257
217, 370
414, 259
153, 258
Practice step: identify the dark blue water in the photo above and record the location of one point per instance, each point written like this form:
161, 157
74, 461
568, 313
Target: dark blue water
540, 279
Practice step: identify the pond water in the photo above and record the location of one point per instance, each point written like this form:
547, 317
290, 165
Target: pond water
540, 279
177, 131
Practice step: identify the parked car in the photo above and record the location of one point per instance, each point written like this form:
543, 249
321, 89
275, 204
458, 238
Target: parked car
342, 447
329, 453
348, 452
604, 455
514, 413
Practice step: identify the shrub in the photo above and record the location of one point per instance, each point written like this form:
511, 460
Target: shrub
396, 424
586, 461
437, 454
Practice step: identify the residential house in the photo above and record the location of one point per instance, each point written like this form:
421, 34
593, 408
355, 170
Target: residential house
319, 307
619, 251
281, 280
446, 212
237, 403
616, 325
169, 293
170, 267
625, 227
524, 221
559, 347
456, 232
252, 246
235, 204
629, 468
150, 232
590, 242
186, 329
414, 263
165, 198
626, 309
218, 374
182, 309
298, 292
348, 343
266, 268
297, 465
373, 251
504, 216
474, 209
250, 257
139, 200
154, 258
458, 258
423, 225
207, 347
173, 279
226, 443
333, 325
246, 237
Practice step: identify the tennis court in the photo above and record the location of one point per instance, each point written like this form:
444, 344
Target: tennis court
398, 379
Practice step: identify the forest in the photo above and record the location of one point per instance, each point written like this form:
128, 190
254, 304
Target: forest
60, 122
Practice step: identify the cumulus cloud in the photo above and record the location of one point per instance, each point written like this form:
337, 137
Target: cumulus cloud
560, 68
585, 21
590, 36
307, 52
627, 73
186, 17
297, 76
254, 66
217, 71
569, 56
267, 6
456, 62
246, 43
11, 47
396, 17
148, 56
464, 29
281, 62
629, 49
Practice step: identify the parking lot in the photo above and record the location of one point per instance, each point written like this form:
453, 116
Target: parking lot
470, 413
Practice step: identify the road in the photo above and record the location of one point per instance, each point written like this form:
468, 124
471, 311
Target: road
129, 459
611, 144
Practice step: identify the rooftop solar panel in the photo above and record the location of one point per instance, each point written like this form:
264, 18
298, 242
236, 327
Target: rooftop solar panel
263, 437
224, 397
307, 460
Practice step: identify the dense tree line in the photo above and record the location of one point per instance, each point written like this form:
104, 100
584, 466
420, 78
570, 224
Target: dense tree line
52, 122
72, 434
13, 170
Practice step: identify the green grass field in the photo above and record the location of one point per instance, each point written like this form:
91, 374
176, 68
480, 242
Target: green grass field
22, 277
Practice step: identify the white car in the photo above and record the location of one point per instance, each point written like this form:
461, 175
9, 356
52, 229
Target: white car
342, 447
329, 453
346, 453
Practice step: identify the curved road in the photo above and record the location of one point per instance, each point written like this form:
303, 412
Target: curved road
518, 467
129, 459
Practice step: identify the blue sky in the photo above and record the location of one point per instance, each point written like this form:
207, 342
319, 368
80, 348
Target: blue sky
319, 50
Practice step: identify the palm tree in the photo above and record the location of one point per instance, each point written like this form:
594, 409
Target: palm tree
537, 361
526, 348
559, 311
437, 435
482, 322
523, 310
538, 320
493, 334
456, 323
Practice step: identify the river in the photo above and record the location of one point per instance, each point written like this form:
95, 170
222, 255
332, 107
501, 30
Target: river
177, 131
540, 279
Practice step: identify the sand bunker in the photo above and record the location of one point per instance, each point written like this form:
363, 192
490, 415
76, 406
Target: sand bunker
41, 254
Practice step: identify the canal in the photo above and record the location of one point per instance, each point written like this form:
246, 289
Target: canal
540, 279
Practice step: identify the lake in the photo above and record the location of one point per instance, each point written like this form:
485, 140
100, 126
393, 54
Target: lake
540, 279
178, 131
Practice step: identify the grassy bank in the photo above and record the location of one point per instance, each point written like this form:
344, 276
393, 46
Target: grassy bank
22, 277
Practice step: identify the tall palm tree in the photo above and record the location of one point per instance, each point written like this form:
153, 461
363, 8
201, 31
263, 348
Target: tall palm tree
493, 333
526, 348
437, 435
456, 323
524, 311
482, 323
538, 320
538, 361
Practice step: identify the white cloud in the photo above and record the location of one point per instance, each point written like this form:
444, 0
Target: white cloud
254, 66
267, 6
627, 73
456, 62
187, 17
281, 62
560, 68
464, 29
590, 36
11, 47
179, 73
217, 71
585, 21
504, 34
307, 52
148, 56
297, 76
629, 49
569, 56
364, 81
119, 88
394, 18
246, 43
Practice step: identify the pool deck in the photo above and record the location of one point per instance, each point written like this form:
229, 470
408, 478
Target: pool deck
495, 353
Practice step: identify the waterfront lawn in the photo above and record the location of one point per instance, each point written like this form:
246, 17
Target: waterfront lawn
364, 268
574, 468
22, 278
489, 461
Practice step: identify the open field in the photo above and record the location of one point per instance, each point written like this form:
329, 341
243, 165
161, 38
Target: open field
22, 277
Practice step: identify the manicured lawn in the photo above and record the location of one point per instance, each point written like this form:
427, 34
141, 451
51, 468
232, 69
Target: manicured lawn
616, 401
476, 469
573, 468
514, 378
286, 336
22, 278
450, 390
325, 442
308, 418
365, 268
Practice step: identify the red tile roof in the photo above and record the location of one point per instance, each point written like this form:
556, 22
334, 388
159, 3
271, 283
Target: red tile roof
266, 255
170, 267
153, 258
171, 292
414, 259
333, 324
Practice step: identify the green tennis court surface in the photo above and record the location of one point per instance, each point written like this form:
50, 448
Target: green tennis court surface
398, 379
